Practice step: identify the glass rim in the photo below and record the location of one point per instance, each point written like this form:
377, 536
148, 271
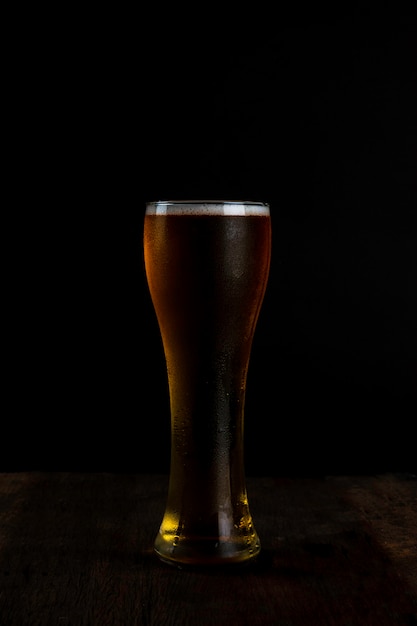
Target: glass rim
208, 202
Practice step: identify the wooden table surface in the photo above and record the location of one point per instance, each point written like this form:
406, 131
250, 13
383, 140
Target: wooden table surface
77, 549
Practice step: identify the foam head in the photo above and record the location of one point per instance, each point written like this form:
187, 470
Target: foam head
207, 207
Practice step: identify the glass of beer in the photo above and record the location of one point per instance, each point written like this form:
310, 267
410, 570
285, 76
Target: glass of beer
207, 265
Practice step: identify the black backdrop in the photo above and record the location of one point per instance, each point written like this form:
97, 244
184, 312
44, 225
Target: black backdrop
315, 115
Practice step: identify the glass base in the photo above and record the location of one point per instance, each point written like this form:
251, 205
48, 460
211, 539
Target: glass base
206, 552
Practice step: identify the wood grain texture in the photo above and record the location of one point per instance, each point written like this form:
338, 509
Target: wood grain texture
77, 549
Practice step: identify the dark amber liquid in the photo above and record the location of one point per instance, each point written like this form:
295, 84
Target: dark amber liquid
207, 276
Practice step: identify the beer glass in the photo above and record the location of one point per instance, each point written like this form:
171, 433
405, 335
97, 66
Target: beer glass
207, 265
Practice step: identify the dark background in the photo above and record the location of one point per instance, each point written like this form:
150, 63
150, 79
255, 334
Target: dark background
316, 115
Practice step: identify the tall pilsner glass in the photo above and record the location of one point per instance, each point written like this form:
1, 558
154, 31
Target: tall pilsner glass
207, 265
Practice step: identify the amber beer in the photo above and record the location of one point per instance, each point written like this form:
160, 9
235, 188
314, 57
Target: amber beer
207, 267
